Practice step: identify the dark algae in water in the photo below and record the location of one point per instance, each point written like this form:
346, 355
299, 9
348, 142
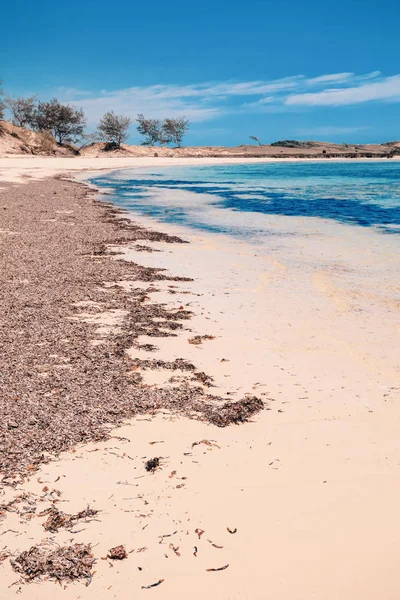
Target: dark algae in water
365, 194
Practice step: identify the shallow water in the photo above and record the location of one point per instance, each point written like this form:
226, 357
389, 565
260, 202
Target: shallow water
363, 194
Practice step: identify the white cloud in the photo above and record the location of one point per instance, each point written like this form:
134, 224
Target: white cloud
209, 100
385, 89
335, 77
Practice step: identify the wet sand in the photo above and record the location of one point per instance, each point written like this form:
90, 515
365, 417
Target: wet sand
309, 322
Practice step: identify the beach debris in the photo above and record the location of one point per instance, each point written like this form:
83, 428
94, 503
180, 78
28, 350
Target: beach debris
175, 549
195, 551
219, 568
166, 535
147, 587
13, 505
58, 519
206, 442
156, 442
235, 412
141, 248
60, 563
152, 464
198, 339
143, 549
199, 532
214, 545
172, 474
203, 378
84, 387
4, 554
231, 530
117, 553
179, 364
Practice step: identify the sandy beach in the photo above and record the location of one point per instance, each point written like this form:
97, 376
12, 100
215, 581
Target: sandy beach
299, 502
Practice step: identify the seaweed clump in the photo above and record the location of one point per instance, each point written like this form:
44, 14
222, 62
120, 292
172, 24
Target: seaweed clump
59, 563
58, 519
235, 412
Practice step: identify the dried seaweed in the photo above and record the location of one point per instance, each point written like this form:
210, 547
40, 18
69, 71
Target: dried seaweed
198, 339
199, 532
214, 545
152, 464
235, 412
4, 554
61, 563
175, 549
117, 553
147, 587
203, 378
179, 364
57, 386
206, 443
219, 568
58, 519
13, 505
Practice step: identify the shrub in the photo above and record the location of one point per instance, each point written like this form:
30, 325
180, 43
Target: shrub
113, 129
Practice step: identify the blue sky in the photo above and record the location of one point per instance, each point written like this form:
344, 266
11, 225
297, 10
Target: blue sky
278, 69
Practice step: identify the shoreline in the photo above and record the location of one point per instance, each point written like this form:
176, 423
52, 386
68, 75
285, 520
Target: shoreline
12, 169
306, 484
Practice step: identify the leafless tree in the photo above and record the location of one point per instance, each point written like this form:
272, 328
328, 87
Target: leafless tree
23, 110
151, 129
256, 139
87, 139
114, 128
65, 122
175, 129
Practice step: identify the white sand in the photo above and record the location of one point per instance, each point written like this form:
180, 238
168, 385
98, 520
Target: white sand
24, 168
311, 322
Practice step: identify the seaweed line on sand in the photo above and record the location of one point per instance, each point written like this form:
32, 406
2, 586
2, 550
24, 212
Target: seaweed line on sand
58, 388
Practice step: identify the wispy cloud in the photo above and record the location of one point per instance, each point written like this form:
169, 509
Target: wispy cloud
386, 89
209, 100
333, 78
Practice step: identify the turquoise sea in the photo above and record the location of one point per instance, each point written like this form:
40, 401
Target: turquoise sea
364, 194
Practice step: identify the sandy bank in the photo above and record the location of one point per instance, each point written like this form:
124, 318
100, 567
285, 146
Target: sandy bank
309, 321
25, 168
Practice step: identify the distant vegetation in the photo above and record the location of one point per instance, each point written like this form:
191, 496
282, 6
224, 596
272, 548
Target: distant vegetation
293, 144
114, 129
169, 131
22, 111
256, 139
66, 123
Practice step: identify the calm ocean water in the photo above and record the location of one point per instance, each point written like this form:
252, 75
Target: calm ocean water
231, 198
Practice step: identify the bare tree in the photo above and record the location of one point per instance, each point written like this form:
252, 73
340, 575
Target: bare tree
23, 110
87, 139
256, 139
175, 129
65, 122
114, 128
151, 129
